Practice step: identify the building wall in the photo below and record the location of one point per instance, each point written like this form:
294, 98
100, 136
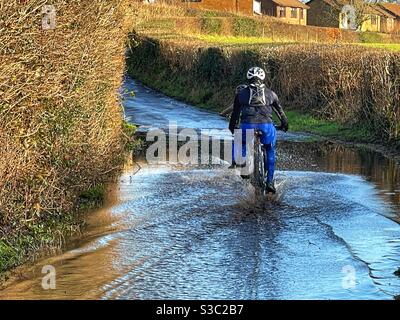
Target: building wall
322, 15
288, 15
390, 25
397, 26
387, 24
394, 25
368, 24
396, 22
271, 9
268, 8
236, 6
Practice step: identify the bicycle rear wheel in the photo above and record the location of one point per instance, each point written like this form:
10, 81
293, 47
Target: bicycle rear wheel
259, 167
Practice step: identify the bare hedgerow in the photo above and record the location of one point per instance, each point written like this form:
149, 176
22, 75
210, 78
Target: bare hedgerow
347, 83
60, 114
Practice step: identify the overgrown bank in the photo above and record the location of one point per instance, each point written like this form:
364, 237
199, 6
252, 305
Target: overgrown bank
265, 29
61, 128
349, 86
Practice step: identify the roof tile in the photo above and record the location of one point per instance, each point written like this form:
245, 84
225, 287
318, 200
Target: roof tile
393, 8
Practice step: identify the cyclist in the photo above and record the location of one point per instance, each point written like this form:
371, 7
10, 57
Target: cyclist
253, 106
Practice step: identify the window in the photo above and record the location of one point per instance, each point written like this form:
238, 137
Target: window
301, 14
257, 7
293, 13
282, 12
374, 20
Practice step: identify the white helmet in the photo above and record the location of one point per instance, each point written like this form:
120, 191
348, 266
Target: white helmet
256, 72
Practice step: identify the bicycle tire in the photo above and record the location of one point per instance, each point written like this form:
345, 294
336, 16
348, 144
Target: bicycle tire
259, 170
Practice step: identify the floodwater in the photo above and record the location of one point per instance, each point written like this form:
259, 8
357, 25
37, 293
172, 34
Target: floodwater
187, 232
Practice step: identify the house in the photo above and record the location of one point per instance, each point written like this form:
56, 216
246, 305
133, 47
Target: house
352, 15
387, 20
290, 11
394, 9
368, 20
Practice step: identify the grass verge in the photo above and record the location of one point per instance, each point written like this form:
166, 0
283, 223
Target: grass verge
42, 237
48, 235
300, 122
386, 46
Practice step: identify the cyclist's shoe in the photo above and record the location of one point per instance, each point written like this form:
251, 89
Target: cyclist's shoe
270, 187
233, 165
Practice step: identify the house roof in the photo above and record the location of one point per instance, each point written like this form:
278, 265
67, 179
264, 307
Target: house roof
384, 12
332, 3
291, 3
393, 8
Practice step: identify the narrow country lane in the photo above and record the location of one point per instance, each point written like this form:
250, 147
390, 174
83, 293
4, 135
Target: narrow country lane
174, 232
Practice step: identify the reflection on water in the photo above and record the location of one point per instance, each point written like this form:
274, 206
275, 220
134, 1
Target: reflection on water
329, 157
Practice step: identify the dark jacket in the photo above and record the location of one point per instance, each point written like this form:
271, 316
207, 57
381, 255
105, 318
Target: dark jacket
254, 103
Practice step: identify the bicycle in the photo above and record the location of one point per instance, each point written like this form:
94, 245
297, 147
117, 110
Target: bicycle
257, 164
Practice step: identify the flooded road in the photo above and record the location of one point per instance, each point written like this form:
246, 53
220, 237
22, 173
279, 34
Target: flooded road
174, 232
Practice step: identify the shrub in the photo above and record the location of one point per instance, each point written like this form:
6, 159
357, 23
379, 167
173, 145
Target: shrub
245, 27
211, 64
211, 25
60, 115
370, 37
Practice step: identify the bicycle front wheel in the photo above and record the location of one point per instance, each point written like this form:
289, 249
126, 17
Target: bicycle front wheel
259, 170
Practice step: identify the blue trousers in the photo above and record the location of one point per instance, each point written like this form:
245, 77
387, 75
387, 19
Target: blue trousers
268, 139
